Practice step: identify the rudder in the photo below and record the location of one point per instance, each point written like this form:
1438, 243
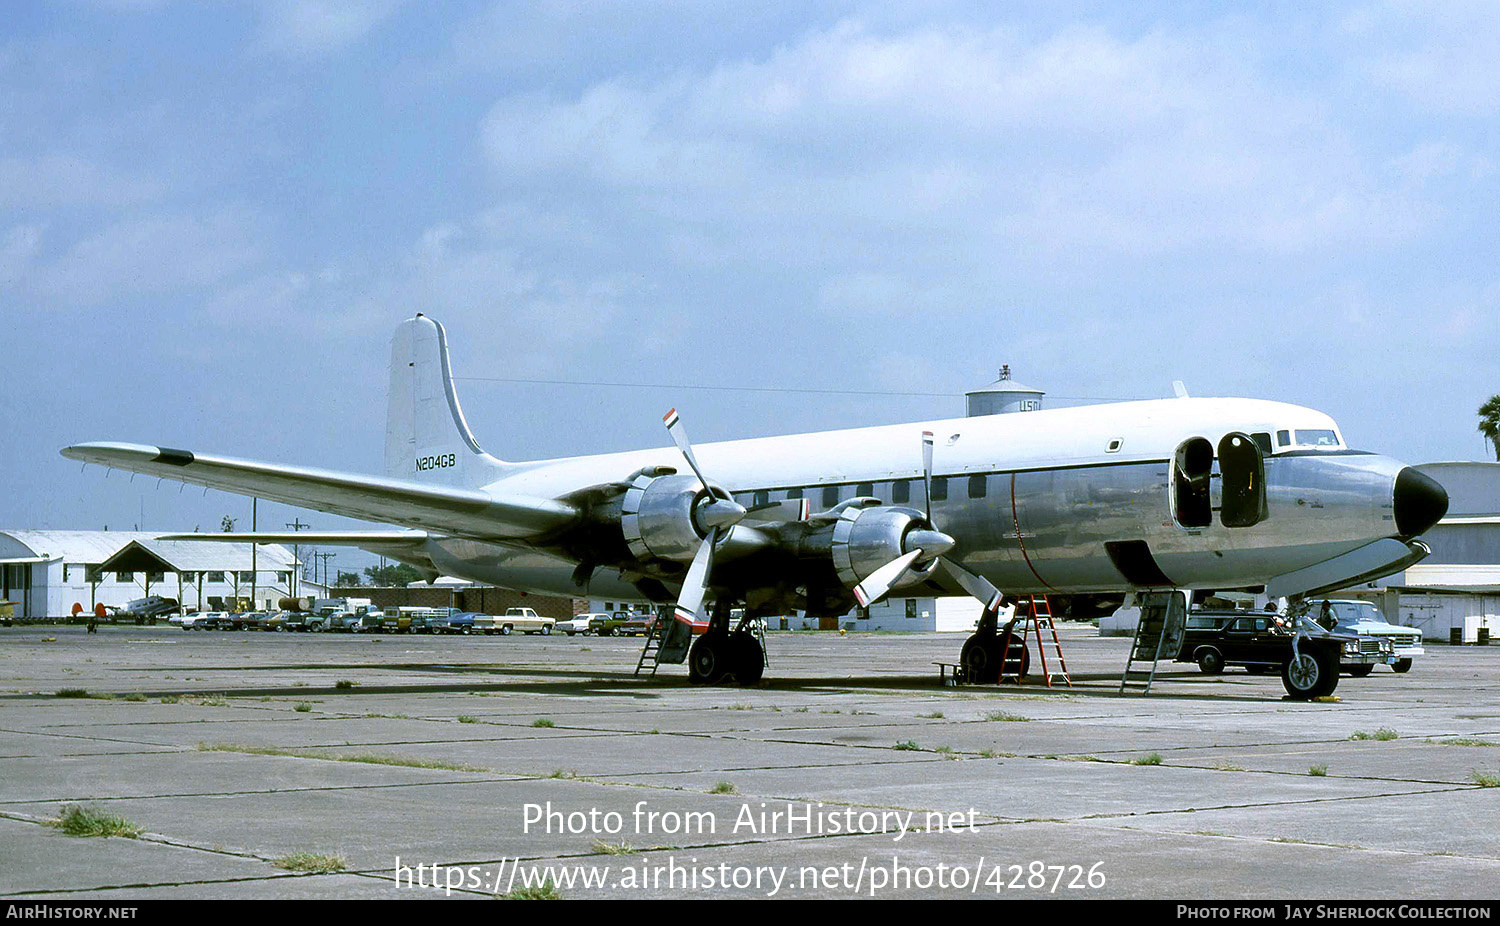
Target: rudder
427, 438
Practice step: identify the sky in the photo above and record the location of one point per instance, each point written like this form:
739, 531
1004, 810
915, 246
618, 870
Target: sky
774, 217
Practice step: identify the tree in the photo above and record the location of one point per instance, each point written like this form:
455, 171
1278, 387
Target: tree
1489, 422
392, 576
349, 580
227, 524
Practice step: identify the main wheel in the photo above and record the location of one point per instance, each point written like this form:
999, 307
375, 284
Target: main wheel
980, 659
1210, 661
708, 661
1361, 671
1401, 665
748, 658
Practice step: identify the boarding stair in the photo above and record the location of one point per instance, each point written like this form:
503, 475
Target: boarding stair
1158, 636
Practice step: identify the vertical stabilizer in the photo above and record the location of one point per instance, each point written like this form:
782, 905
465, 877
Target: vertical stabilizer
426, 436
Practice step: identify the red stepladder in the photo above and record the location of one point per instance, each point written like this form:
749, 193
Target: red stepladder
1013, 658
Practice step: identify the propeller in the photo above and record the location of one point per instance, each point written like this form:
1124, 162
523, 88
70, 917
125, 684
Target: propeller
929, 545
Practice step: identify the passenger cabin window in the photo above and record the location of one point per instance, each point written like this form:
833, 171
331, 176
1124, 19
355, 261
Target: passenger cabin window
1283, 438
1242, 471
940, 488
761, 498
978, 486
794, 493
864, 488
830, 496
1192, 467
901, 491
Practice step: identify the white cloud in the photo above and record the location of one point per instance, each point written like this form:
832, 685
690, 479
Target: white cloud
313, 28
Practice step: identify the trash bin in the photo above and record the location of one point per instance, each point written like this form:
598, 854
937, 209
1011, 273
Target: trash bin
1484, 636
1455, 636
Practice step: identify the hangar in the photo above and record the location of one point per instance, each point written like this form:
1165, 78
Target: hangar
46, 572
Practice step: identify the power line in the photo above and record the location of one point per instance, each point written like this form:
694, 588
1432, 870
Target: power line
770, 389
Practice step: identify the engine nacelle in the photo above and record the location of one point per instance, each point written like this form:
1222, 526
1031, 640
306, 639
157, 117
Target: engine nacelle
864, 539
657, 516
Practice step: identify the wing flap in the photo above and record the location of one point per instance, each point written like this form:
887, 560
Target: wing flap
467, 513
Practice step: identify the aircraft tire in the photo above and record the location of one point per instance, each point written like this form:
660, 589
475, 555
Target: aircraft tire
980, 659
748, 658
708, 661
1310, 675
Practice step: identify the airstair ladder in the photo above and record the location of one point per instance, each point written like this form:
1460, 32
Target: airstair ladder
1012, 659
652, 648
1151, 633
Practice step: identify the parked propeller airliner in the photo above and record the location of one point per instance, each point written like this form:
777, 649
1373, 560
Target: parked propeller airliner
1185, 493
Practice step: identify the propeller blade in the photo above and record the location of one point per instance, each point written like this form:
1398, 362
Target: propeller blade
977, 586
791, 509
680, 438
927, 470
880, 582
695, 585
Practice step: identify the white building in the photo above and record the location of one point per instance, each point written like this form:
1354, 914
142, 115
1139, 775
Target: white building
47, 572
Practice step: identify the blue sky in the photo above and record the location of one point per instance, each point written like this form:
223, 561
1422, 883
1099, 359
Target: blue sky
212, 215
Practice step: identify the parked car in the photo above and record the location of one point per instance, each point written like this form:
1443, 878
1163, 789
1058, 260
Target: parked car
525, 620
1308, 657
577, 625
1365, 620
622, 622
367, 622
459, 622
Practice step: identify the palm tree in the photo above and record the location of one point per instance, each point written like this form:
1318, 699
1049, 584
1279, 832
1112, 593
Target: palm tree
1489, 422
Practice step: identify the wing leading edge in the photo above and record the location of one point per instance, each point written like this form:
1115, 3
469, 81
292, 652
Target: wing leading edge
470, 513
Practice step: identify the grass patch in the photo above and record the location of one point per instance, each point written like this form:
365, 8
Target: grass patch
345, 684
935, 715
1382, 734
135, 696
1318, 771
1464, 741
363, 758
1003, 717
723, 787
169, 699
546, 891
309, 861
1485, 779
610, 848
542, 722
215, 702
72, 693
77, 820
742, 707
467, 718
563, 773
1151, 759
302, 707
908, 746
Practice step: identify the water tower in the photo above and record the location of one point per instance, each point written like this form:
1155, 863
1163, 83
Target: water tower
1004, 395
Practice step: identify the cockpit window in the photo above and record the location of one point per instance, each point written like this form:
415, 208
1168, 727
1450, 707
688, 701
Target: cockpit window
1319, 438
1284, 438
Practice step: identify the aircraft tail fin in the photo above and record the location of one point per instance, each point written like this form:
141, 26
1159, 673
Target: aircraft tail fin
427, 438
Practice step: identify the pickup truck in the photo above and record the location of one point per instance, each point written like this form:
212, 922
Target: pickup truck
625, 623
523, 619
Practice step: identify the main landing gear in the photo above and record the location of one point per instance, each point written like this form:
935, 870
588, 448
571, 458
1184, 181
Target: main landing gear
721, 653
984, 650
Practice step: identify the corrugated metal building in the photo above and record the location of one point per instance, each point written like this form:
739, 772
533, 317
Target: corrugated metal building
47, 572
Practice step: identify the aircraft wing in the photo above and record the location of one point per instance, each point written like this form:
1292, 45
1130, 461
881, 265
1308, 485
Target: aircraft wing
467, 513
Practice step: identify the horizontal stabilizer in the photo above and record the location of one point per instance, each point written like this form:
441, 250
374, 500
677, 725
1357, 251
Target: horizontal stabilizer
471, 513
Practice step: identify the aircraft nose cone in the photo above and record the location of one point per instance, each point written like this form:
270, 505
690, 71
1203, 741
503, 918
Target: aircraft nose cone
1420, 502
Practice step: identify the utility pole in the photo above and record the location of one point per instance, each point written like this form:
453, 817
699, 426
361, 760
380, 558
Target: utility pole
254, 549
325, 557
296, 525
